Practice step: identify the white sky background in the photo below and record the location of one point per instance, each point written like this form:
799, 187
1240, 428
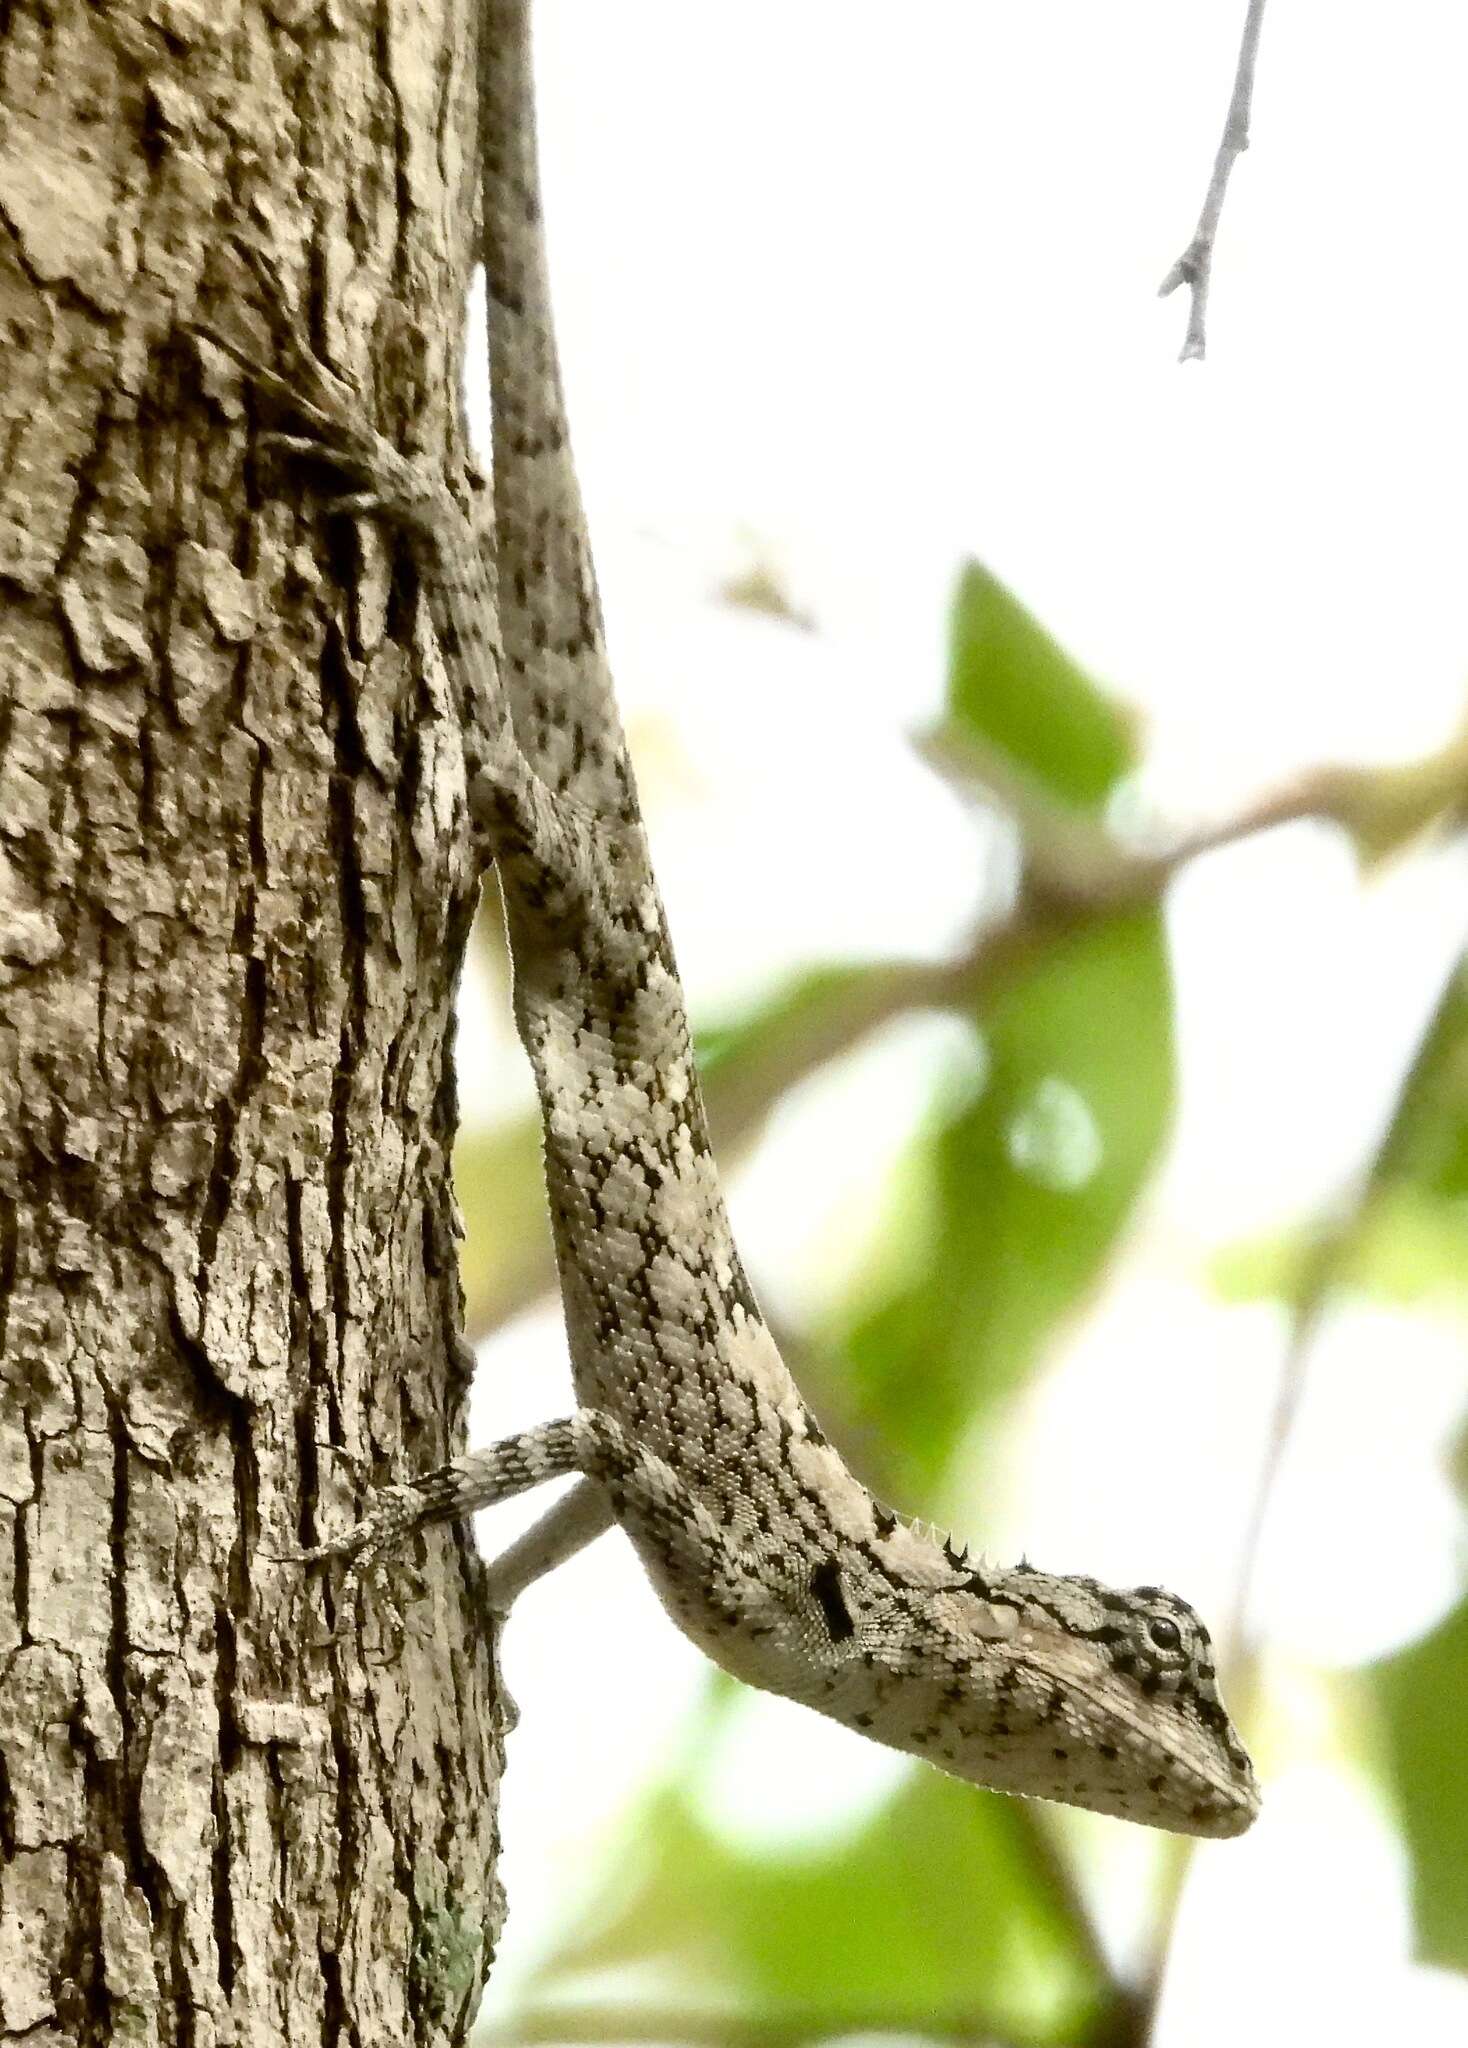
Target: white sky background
862, 289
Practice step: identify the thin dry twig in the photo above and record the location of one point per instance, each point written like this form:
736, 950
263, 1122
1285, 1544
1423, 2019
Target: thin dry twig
1326, 1260
1194, 267
1316, 1291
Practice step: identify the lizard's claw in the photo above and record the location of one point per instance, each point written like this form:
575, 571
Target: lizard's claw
298, 444
389, 483
365, 1548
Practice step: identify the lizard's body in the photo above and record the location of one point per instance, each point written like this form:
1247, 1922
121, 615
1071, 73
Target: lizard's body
689, 1430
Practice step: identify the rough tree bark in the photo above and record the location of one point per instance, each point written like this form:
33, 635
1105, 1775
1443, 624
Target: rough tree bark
234, 895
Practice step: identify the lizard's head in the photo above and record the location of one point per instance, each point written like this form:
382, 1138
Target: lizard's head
1100, 1698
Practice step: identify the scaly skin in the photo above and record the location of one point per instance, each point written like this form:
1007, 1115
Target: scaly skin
689, 1431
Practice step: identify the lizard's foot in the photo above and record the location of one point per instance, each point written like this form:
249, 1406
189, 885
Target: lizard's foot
388, 483
395, 1512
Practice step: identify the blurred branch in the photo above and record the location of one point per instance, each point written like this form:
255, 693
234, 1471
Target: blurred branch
1335, 1245
1074, 870
1194, 267
1072, 858
656, 2026
741, 1092
1328, 1257
1338, 1240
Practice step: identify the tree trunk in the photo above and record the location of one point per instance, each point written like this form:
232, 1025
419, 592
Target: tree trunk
235, 887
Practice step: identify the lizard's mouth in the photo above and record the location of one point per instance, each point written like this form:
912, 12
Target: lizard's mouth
1200, 1781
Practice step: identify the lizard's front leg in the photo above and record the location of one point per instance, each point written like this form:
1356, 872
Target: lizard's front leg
569, 869
674, 1530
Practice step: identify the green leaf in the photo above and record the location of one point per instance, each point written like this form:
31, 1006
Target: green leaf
1011, 686
1427, 1144
1030, 1182
943, 1907
1424, 1695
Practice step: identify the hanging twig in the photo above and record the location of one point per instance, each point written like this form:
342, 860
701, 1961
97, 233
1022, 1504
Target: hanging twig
1194, 267
1327, 1264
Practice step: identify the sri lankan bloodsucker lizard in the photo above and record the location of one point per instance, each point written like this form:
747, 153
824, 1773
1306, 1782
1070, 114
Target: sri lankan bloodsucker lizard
689, 1430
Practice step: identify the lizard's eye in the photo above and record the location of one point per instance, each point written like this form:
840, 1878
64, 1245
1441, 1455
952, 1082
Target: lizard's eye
1164, 1633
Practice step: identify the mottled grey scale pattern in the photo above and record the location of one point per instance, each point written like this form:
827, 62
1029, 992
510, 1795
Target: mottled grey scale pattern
650, 1272
557, 675
764, 1548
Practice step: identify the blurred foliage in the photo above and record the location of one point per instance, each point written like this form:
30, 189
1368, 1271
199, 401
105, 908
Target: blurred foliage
1425, 1153
501, 1189
1417, 1192
1012, 687
1031, 1181
746, 1066
1424, 1695
1386, 808
1403, 1236
1407, 1251
748, 1062
940, 1904
947, 1911
1032, 1178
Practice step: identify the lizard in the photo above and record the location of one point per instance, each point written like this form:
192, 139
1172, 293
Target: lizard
689, 1431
